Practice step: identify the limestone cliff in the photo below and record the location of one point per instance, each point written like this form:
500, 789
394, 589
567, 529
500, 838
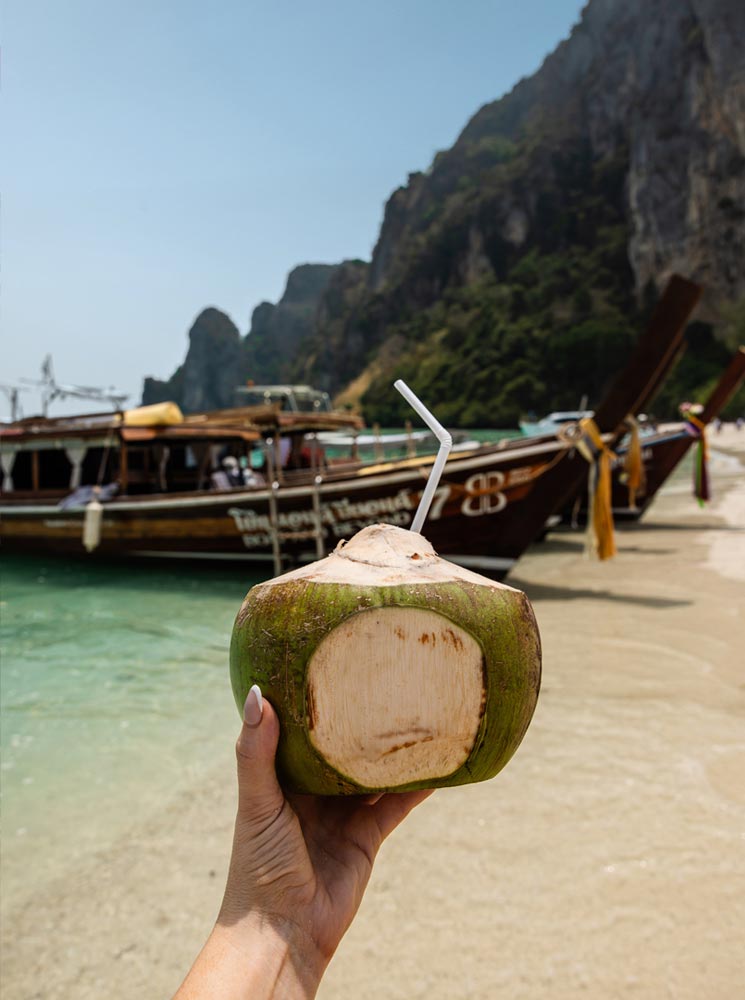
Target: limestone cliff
270, 350
557, 215
218, 359
208, 376
658, 83
514, 273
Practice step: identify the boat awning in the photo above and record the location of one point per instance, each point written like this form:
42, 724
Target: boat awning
189, 434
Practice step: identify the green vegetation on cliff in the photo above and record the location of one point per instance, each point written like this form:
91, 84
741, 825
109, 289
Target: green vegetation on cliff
503, 294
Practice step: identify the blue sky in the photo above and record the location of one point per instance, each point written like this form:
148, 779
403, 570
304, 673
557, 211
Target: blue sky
163, 156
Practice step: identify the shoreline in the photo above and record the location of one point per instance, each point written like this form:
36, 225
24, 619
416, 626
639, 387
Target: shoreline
606, 858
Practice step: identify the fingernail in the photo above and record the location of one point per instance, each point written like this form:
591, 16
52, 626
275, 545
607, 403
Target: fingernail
254, 706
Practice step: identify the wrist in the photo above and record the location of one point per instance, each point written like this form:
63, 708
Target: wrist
269, 956
255, 958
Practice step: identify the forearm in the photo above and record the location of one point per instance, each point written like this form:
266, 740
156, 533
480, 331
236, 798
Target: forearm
253, 960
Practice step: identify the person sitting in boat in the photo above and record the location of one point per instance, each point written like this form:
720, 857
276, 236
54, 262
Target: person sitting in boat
232, 470
228, 476
301, 454
251, 477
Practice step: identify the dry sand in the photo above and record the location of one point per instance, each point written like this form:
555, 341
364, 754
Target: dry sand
607, 860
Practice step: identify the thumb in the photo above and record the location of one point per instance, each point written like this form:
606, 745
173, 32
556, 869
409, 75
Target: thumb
259, 796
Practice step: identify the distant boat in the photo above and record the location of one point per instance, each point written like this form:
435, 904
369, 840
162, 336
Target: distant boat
554, 422
252, 484
292, 398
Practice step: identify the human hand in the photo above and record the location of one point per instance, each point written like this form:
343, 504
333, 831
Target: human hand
298, 871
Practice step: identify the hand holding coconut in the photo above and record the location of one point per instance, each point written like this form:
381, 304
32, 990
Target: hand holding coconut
387, 672
299, 868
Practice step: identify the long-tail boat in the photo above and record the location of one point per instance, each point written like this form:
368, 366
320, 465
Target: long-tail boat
119, 485
664, 450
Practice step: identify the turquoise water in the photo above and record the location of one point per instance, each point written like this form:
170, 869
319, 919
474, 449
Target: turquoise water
115, 693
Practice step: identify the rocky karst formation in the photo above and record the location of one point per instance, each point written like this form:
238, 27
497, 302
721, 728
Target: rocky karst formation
514, 272
207, 378
270, 349
659, 84
219, 359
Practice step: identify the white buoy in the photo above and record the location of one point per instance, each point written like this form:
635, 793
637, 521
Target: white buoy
92, 525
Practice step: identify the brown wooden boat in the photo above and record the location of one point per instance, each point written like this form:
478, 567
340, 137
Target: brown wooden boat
492, 501
663, 450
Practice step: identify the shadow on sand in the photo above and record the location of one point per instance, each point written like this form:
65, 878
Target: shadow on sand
569, 544
546, 592
674, 526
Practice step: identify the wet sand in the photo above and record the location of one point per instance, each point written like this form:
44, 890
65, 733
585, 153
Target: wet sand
607, 860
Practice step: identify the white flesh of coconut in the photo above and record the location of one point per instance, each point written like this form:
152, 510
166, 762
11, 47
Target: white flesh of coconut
395, 695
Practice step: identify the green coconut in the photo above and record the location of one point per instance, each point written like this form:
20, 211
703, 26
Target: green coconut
389, 667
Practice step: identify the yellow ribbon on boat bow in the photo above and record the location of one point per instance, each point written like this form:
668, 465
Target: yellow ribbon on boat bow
701, 461
633, 465
600, 538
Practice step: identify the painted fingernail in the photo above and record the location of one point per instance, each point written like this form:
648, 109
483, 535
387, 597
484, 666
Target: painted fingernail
254, 706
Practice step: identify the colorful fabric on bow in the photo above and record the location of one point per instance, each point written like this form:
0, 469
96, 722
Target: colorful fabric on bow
600, 538
697, 428
633, 464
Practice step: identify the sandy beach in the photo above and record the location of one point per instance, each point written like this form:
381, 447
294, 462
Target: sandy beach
607, 860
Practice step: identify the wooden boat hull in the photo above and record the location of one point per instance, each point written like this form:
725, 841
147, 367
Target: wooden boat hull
477, 518
661, 453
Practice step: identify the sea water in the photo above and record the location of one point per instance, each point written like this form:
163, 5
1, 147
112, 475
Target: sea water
115, 693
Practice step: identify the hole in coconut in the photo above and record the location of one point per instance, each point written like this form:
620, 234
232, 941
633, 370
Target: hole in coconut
390, 708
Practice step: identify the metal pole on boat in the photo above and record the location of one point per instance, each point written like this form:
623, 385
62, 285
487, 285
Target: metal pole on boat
446, 443
410, 446
274, 522
273, 518
378, 446
320, 549
316, 496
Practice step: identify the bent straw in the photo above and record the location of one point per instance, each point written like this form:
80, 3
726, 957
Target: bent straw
446, 443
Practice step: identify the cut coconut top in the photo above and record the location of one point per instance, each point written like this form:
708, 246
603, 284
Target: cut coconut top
384, 555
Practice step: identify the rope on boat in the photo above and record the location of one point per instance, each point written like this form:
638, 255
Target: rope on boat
93, 517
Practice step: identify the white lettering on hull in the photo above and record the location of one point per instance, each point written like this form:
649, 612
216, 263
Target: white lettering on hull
486, 493
339, 519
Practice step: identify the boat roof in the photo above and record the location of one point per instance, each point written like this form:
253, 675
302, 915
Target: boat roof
165, 422
271, 417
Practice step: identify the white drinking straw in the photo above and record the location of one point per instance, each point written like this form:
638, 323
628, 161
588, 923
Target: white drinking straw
446, 443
